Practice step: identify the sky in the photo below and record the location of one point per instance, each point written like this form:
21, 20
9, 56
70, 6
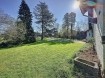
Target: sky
57, 7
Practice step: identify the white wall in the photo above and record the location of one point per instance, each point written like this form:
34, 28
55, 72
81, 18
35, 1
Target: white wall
99, 30
98, 44
104, 17
104, 33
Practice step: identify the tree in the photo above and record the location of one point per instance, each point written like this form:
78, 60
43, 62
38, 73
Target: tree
21, 31
72, 21
66, 24
57, 25
25, 16
83, 25
43, 17
7, 27
5, 21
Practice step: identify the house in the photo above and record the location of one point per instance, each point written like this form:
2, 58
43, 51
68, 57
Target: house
99, 32
89, 34
96, 9
81, 35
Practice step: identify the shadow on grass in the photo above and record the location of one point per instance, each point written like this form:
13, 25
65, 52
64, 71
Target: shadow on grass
49, 42
78, 72
53, 42
75, 72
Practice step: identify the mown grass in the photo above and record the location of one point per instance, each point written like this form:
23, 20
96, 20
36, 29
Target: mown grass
43, 59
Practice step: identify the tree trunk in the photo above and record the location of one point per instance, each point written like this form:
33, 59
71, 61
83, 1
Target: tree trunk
67, 32
42, 36
71, 31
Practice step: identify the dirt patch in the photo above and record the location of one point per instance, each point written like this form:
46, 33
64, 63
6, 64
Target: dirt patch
89, 55
87, 61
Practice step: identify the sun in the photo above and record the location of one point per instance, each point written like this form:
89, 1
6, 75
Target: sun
76, 4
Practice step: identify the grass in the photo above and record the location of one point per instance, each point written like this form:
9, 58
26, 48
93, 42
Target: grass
43, 59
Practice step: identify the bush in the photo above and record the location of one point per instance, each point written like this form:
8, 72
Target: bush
91, 40
6, 44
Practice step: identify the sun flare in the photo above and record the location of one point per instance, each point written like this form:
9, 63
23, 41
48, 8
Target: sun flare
76, 4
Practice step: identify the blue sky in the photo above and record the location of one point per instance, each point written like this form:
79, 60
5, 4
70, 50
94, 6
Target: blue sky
57, 7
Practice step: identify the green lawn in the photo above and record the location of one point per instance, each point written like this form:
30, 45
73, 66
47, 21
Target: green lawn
48, 59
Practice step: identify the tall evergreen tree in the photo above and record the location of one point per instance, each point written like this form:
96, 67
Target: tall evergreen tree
44, 17
66, 23
25, 16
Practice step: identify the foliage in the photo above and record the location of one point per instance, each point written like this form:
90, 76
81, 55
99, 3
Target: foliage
6, 19
73, 20
69, 19
91, 40
43, 17
21, 31
39, 60
5, 22
25, 16
63, 33
66, 24
8, 44
82, 25
7, 27
10, 34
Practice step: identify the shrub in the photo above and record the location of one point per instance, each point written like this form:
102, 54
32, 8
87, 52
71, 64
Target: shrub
6, 44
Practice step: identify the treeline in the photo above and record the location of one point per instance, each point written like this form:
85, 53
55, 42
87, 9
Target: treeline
20, 30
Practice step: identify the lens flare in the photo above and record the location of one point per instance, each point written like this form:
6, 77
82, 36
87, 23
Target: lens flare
76, 4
